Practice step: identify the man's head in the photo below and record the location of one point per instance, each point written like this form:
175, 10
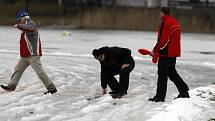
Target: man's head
98, 54
22, 17
165, 10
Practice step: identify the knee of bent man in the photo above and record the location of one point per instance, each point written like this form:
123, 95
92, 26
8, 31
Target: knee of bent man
124, 72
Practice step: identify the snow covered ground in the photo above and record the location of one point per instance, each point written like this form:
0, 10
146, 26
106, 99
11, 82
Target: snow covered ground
68, 62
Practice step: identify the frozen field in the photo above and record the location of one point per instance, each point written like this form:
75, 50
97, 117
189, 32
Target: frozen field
68, 62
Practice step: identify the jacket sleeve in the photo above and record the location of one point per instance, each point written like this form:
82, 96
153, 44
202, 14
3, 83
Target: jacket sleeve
30, 27
103, 77
163, 37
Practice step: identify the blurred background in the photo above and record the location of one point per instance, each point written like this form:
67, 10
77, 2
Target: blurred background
194, 15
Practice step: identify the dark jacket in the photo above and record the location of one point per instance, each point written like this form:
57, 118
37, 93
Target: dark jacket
115, 57
169, 36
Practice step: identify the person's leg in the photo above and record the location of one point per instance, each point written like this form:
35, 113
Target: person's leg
163, 70
18, 71
124, 77
113, 83
178, 81
37, 66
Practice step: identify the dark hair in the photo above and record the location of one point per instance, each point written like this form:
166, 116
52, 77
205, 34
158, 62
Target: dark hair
165, 10
96, 53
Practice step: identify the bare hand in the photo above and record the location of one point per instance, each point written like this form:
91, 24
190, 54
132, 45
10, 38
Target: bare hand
15, 26
124, 66
104, 91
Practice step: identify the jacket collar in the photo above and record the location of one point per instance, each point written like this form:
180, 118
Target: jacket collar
165, 17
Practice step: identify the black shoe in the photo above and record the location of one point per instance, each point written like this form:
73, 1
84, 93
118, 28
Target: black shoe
51, 91
6, 88
156, 99
118, 92
123, 92
183, 95
114, 92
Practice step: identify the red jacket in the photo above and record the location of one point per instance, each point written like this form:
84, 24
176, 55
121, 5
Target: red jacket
169, 36
30, 44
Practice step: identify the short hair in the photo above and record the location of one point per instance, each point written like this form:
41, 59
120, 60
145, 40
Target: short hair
165, 10
97, 52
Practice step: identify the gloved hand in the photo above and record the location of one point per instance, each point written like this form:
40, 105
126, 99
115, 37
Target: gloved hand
155, 58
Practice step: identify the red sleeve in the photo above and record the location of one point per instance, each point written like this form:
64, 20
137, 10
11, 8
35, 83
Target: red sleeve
163, 39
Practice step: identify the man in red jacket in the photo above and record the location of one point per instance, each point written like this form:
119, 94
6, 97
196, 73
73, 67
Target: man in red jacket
30, 52
168, 48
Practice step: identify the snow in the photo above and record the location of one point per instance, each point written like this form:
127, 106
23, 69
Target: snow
68, 62
200, 107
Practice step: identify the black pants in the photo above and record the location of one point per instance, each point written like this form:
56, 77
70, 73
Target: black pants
123, 78
166, 68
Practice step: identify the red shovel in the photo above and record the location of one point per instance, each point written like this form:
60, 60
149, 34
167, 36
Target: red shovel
147, 52
144, 51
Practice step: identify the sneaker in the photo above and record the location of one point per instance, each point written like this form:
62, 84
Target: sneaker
6, 88
183, 95
156, 99
51, 91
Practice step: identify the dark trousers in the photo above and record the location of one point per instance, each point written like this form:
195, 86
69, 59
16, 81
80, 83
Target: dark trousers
123, 79
166, 68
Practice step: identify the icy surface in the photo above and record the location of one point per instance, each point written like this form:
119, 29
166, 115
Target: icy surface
68, 62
